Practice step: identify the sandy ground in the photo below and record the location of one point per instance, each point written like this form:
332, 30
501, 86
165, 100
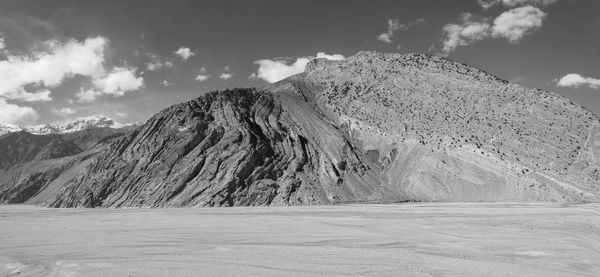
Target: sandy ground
356, 240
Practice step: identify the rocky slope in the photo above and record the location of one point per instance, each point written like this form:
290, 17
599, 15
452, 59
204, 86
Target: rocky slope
237, 147
372, 128
20, 147
36, 181
458, 133
29, 163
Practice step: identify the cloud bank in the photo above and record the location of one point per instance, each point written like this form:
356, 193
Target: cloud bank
31, 77
15, 114
49, 68
45, 69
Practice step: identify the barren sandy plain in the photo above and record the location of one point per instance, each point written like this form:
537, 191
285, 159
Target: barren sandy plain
456, 239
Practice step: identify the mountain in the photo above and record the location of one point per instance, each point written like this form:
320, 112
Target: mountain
83, 123
35, 166
51, 141
372, 128
237, 147
6, 128
22, 146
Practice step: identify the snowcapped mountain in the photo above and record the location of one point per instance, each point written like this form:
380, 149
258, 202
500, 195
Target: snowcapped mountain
96, 121
6, 128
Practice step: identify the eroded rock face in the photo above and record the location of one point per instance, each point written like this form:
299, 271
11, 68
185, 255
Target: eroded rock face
237, 147
25, 185
372, 128
21, 147
447, 131
32, 166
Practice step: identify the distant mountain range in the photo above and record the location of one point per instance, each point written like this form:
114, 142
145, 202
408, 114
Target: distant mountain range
371, 128
83, 123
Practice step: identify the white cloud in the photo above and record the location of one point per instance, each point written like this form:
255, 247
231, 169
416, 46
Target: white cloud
486, 4
385, 37
515, 3
202, 77
119, 81
67, 111
226, 68
2, 43
467, 32
276, 70
273, 70
50, 67
156, 62
166, 83
154, 65
511, 25
334, 57
253, 76
87, 95
116, 83
393, 26
517, 22
576, 80
202, 70
184, 52
14, 114
225, 76
24, 96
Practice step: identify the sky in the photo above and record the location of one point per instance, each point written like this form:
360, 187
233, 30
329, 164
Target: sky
65, 59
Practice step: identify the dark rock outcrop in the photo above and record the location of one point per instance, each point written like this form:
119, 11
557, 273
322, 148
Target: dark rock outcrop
58, 148
237, 147
21, 147
38, 165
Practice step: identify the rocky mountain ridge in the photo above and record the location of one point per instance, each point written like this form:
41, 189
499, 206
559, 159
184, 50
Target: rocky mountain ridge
372, 128
33, 167
20, 147
545, 140
83, 123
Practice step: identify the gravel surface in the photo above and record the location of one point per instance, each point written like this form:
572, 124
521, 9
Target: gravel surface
458, 239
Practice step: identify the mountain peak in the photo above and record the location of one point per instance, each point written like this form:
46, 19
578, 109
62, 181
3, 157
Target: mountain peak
81, 123
391, 64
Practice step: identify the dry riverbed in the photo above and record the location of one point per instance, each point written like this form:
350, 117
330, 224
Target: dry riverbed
357, 240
